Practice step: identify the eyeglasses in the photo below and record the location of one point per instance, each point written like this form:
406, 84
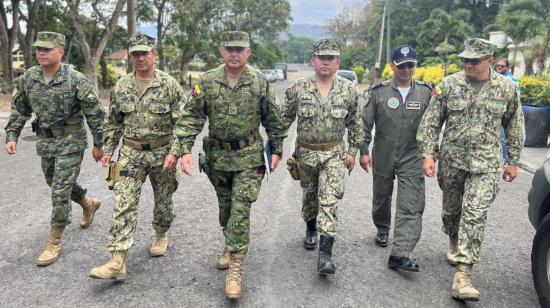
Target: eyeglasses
408, 65
473, 61
500, 65
326, 57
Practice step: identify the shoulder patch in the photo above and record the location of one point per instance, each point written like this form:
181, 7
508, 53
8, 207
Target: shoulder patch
377, 85
436, 91
422, 83
196, 91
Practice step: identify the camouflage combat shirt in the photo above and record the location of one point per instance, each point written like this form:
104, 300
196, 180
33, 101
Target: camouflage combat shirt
55, 104
471, 139
143, 117
324, 121
233, 114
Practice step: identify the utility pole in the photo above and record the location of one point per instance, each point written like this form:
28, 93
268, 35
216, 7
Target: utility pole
379, 56
131, 6
388, 33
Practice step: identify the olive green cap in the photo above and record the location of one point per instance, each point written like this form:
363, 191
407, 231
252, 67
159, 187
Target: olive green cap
235, 39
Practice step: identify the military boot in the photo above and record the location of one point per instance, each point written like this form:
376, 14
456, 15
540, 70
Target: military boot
233, 280
462, 284
223, 260
310, 240
160, 244
453, 250
89, 207
113, 269
53, 248
325, 265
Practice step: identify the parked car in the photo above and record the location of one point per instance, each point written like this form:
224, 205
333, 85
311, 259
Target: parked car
279, 74
284, 67
539, 215
270, 75
349, 75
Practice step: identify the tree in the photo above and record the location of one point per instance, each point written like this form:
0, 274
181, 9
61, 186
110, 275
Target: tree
299, 49
30, 24
7, 40
93, 50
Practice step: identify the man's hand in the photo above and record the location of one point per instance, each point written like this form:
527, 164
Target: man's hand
169, 162
366, 162
429, 167
11, 147
350, 162
275, 159
97, 153
186, 163
105, 160
510, 173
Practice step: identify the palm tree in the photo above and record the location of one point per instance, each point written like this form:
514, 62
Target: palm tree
444, 32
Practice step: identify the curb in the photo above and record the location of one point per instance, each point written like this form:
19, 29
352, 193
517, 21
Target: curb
527, 166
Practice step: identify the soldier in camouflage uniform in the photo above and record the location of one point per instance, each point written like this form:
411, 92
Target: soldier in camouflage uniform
236, 98
326, 105
396, 106
472, 104
60, 97
144, 109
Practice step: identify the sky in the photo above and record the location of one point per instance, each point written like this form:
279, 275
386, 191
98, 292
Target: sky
318, 11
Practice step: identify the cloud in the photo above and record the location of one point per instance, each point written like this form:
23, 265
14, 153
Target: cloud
318, 11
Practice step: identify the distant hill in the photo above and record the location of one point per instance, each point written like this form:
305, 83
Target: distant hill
312, 31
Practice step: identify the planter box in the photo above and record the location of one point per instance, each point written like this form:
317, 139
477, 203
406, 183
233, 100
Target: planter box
537, 125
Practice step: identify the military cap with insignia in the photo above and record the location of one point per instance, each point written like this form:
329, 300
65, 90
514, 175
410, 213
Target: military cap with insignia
326, 47
403, 54
46, 39
235, 39
476, 48
141, 42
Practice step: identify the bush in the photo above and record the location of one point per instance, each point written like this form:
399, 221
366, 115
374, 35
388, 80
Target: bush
360, 71
112, 75
535, 90
198, 67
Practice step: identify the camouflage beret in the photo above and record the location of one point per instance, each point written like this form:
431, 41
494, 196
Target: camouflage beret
476, 48
326, 47
235, 39
141, 42
49, 40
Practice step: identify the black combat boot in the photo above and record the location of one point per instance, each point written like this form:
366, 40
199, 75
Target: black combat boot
325, 265
402, 263
310, 240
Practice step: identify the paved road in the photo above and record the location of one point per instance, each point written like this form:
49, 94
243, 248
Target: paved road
278, 271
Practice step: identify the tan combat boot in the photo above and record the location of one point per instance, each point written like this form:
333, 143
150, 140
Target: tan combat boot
53, 248
462, 284
223, 260
233, 280
113, 269
160, 244
453, 250
89, 207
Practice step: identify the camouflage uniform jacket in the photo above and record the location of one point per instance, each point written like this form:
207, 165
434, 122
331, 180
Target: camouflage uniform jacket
56, 105
324, 121
146, 117
471, 140
233, 114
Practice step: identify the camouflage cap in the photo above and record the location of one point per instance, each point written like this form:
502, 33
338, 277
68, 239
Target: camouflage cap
235, 39
141, 42
476, 48
45, 39
326, 47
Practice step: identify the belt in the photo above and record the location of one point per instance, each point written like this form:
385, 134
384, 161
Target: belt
143, 146
319, 146
140, 175
232, 145
59, 131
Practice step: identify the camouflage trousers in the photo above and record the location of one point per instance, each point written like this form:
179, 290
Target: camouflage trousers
236, 191
61, 173
127, 193
327, 170
466, 200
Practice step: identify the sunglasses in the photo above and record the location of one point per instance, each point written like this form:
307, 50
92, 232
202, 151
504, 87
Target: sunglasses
473, 61
326, 57
408, 65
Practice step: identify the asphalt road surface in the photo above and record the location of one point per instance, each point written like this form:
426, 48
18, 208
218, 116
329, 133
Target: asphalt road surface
279, 272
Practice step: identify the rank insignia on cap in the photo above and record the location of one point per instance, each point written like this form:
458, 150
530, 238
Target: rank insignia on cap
405, 51
196, 91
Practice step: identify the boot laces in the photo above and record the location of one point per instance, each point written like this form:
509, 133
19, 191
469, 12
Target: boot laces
235, 271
